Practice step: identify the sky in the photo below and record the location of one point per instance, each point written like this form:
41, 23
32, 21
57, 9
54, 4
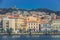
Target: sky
31, 4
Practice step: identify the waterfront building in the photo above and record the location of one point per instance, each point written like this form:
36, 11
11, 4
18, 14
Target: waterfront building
33, 23
45, 27
1, 21
1, 24
56, 24
34, 26
20, 24
9, 23
45, 23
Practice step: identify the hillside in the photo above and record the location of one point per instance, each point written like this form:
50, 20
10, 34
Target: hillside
5, 10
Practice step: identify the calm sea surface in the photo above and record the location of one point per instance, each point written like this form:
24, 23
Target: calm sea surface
29, 37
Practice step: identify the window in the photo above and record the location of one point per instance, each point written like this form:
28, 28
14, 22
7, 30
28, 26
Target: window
7, 25
29, 26
34, 26
45, 25
34, 23
7, 22
28, 23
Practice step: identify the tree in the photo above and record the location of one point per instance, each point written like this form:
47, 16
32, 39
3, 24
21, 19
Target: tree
20, 30
9, 30
2, 30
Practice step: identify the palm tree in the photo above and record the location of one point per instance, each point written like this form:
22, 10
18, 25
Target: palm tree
9, 30
29, 30
20, 30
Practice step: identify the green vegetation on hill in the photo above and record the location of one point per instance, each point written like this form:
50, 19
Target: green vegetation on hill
6, 10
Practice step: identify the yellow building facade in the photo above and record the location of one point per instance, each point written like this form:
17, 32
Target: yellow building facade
20, 24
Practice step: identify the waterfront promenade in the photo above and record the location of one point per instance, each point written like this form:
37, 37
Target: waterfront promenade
30, 34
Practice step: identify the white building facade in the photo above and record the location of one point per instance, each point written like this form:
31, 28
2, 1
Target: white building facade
34, 26
8, 23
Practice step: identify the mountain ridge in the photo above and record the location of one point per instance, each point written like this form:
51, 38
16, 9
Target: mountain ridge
6, 10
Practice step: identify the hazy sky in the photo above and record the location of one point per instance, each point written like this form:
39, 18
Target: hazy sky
51, 4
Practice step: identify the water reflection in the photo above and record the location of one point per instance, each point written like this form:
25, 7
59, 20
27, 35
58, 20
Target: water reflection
29, 37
